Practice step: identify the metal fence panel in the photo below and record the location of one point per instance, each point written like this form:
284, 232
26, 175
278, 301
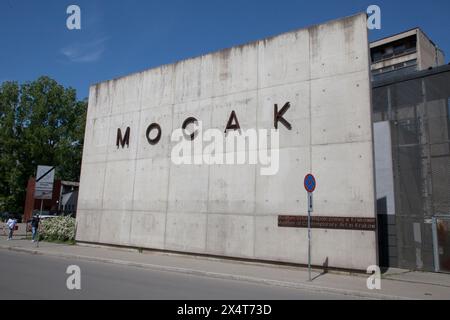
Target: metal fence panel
418, 109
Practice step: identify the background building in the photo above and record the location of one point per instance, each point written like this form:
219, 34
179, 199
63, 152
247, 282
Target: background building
64, 199
411, 138
404, 53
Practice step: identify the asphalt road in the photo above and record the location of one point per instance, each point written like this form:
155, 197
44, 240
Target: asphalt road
27, 276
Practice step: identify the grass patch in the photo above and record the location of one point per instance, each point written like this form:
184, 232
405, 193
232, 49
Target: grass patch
67, 242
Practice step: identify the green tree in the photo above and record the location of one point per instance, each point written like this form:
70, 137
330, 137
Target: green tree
10, 169
41, 123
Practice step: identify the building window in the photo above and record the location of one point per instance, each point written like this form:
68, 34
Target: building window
448, 117
377, 56
448, 108
448, 111
397, 48
400, 49
411, 64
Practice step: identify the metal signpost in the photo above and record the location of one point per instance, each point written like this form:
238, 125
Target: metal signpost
310, 186
44, 183
43, 190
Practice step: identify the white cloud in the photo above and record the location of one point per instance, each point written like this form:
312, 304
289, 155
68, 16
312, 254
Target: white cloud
85, 52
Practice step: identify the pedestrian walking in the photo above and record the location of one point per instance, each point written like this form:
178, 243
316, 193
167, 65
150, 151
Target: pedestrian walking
12, 226
35, 227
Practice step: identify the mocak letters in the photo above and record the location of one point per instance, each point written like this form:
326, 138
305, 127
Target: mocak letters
123, 140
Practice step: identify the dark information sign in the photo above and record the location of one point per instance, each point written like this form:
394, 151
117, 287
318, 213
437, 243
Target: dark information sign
340, 223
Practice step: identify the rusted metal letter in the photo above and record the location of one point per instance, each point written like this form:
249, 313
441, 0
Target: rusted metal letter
278, 116
123, 140
155, 140
233, 123
187, 122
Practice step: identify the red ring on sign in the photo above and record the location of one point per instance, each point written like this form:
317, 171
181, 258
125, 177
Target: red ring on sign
310, 183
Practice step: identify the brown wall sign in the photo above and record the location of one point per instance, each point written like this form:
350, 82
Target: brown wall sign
339, 223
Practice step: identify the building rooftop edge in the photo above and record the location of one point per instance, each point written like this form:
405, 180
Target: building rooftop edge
229, 48
406, 31
412, 76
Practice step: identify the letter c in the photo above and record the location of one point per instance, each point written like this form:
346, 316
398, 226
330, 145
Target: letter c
187, 122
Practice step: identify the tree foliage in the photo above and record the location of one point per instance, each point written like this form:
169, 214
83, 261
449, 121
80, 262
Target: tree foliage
41, 123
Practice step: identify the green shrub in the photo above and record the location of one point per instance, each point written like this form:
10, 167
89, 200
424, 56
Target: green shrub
58, 229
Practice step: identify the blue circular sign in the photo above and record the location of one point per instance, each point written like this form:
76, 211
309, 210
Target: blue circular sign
310, 183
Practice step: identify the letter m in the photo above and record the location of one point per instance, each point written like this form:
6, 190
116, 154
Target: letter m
123, 140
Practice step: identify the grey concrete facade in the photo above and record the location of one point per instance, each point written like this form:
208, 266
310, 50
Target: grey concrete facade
384, 167
135, 196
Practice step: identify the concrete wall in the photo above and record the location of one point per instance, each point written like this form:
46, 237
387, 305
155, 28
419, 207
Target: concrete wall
385, 186
429, 55
137, 197
384, 167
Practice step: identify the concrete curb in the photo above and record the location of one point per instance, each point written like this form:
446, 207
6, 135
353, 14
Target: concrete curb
243, 262
223, 276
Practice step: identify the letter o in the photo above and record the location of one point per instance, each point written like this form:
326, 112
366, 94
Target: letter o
187, 122
153, 126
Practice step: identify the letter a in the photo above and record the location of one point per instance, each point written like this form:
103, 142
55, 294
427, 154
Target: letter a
233, 123
374, 19
374, 281
74, 20
74, 280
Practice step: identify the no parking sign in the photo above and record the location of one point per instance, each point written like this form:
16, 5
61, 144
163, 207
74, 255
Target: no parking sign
310, 183
310, 186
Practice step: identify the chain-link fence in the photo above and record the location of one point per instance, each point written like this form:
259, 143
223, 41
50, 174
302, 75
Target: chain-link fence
418, 108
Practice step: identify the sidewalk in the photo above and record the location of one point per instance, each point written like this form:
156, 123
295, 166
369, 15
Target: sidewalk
396, 283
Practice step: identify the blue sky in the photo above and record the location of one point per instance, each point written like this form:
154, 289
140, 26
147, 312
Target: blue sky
121, 37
